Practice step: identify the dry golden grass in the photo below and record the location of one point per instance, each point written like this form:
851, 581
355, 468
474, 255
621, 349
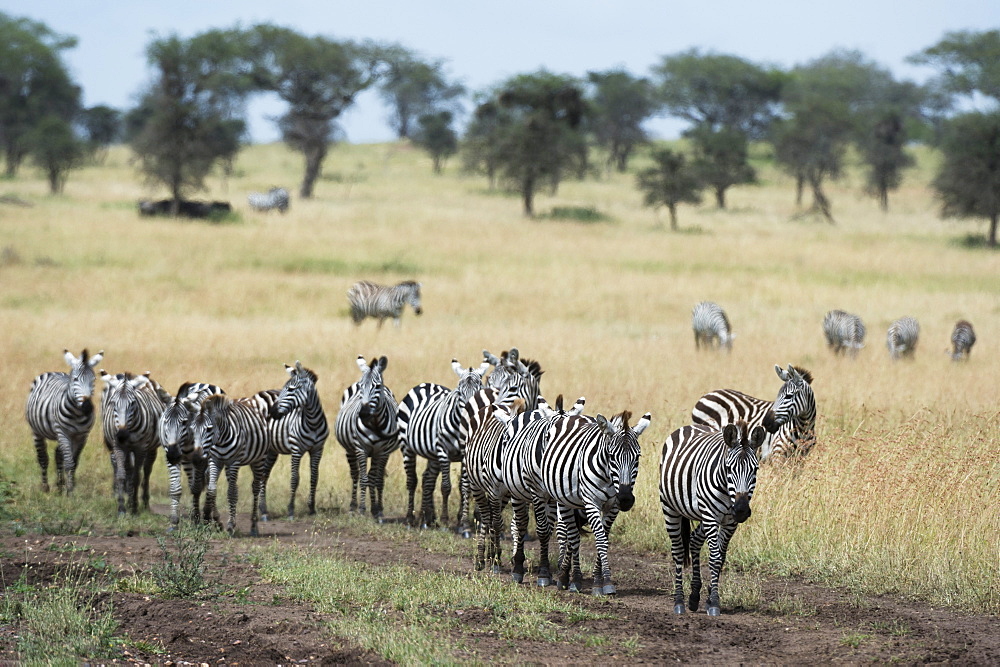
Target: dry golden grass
895, 497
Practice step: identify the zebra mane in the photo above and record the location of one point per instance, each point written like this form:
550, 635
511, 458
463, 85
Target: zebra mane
409, 283
534, 367
624, 415
806, 375
215, 401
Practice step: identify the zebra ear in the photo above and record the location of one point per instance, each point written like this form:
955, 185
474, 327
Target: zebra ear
457, 367
577, 408
605, 425
731, 435
781, 372
512, 356
794, 373
298, 366
70, 359
642, 424
362, 364
757, 437
483, 367
289, 369
96, 359
383, 362
490, 358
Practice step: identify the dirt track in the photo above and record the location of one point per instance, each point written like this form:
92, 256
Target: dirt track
264, 627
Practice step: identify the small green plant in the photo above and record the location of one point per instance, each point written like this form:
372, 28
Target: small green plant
854, 639
578, 213
182, 573
788, 605
83, 631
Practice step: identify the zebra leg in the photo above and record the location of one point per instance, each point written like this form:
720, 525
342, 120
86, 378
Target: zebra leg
482, 531
518, 529
698, 538
211, 510
315, 456
294, 482
272, 458
118, 461
196, 484
136, 461
427, 498
65, 460
377, 480
495, 529
410, 467
569, 548
679, 529
42, 454
716, 559
363, 481
352, 463
233, 495
462, 524
257, 487
174, 470
147, 470
602, 573
607, 587
444, 464
545, 519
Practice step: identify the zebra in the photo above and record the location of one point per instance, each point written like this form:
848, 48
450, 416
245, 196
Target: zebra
510, 369
369, 299
902, 338
706, 475
60, 408
591, 465
790, 419
275, 198
963, 337
711, 326
296, 424
845, 333
429, 426
130, 416
231, 434
177, 440
367, 427
520, 475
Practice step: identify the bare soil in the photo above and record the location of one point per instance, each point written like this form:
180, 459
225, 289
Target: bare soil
254, 622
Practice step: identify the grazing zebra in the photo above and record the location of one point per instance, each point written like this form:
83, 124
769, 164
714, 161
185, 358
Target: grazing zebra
367, 428
521, 477
963, 337
60, 408
275, 198
369, 299
711, 326
429, 421
130, 416
790, 419
232, 433
845, 333
297, 424
510, 370
591, 465
177, 440
706, 475
902, 337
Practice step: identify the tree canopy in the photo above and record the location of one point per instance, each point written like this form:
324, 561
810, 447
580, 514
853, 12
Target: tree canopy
414, 88
436, 136
969, 62
671, 181
619, 104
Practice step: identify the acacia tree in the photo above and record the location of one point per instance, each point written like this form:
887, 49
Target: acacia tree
56, 149
969, 62
968, 180
619, 103
102, 126
414, 88
670, 182
436, 136
721, 159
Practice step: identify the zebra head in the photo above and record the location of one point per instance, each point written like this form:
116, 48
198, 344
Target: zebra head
412, 288
210, 424
511, 371
174, 427
470, 380
371, 386
622, 445
741, 465
795, 398
121, 402
301, 385
81, 375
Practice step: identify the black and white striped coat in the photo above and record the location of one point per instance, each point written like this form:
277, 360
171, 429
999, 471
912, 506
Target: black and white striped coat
177, 439
429, 421
367, 428
591, 465
370, 299
297, 425
790, 419
963, 337
512, 371
706, 475
232, 434
902, 338
711, 326
275, 198
844, 332
130, 414
60, 408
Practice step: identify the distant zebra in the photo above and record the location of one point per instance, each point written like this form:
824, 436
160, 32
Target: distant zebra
297, 425
367, 428
275, 198
177, 439
232, 434
510, 370
706, 475
521, 476
963, 337
60, 408
429, 426
369, 299
591, 465
845, 333
790, 419
902, 338
711, 326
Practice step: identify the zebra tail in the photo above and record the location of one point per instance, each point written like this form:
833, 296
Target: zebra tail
686, 540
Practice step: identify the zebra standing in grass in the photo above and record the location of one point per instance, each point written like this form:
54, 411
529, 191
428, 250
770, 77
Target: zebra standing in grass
275, 198
177, 439
510, 370
130, 415
711, 326
429, 421
297, 425
902, 337
591, 465
369, 299
790, 419
232, 434
60, 408
845, 333
521, 477
963, 337
367, 428
706, 475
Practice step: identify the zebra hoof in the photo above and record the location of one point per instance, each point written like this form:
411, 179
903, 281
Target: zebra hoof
575, 588
265, 518
496, 570
609, 589
679, 608
714, 611
544, 581
560, 586
518, 577
465, 533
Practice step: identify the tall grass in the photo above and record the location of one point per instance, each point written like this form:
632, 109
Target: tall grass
890, 500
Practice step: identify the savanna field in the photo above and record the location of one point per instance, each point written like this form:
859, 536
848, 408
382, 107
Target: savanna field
898, 497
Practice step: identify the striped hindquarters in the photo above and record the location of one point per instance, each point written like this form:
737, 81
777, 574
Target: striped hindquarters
417, 415
963, 337
728, 406
844, 332
711, 326
902, 337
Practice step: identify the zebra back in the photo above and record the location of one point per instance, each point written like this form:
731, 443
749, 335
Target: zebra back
902, 337
963, 337
711, 325
231, 432
844, 332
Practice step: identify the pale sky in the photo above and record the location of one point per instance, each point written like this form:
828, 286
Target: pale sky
484, 43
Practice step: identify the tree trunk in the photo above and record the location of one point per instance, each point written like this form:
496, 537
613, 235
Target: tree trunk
314, 165
800, 184
673, 216
820, 202
55, 182
993, 229
175, 192
528, 193
720, 196
437, 164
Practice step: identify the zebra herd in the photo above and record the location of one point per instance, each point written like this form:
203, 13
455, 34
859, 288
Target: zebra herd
565, 469
844, 333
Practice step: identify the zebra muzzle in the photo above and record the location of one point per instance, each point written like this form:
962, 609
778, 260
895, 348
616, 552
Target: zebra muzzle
770, 423
626, 499
173, 454
741, 508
